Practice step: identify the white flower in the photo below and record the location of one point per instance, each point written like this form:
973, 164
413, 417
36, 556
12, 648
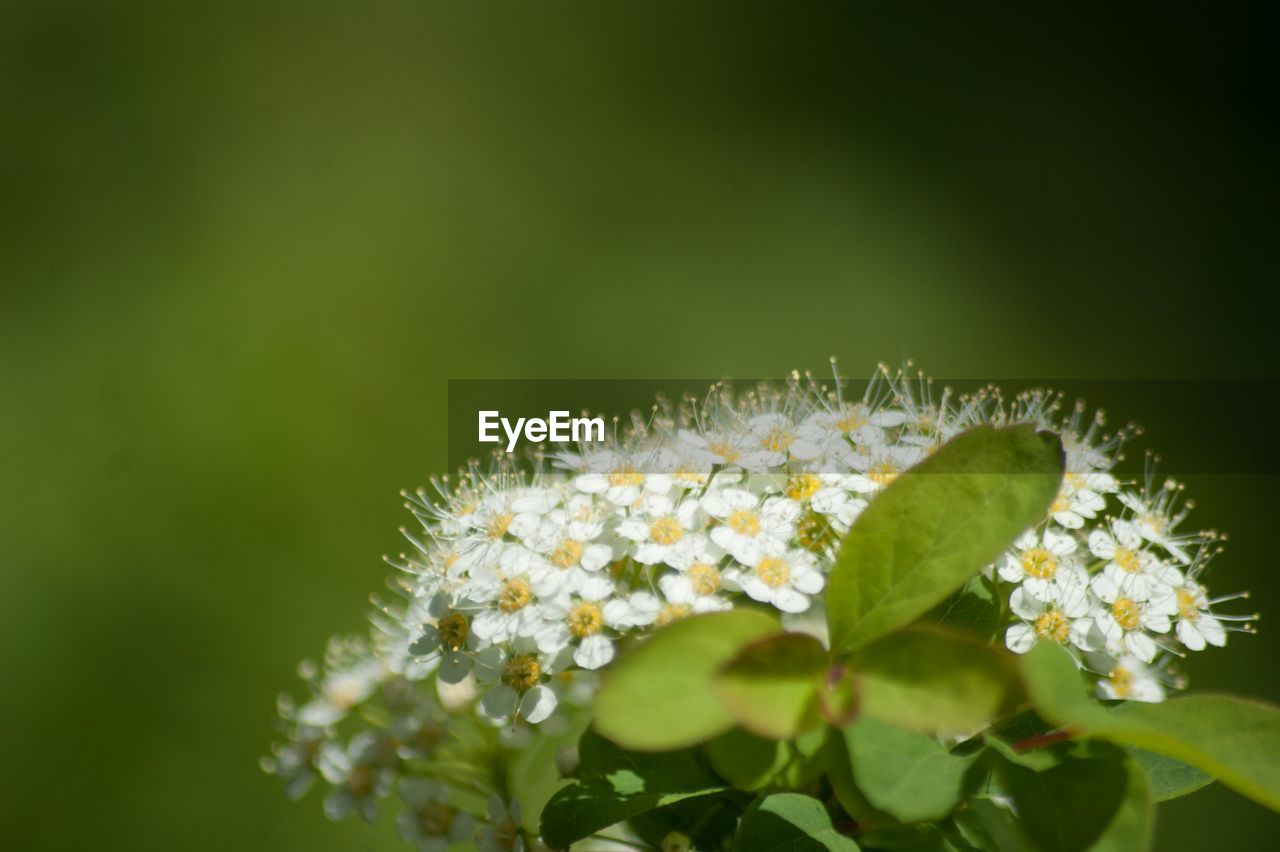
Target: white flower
1196, 625
1131, 570
782, 578
1130, 680
849, 421
771, 439
295, 762
511, 601
619, 479
876, 465
696, 587
428, 820
449, 638
515, 681
749, 525
585, 624
660, 529
1064, 621
1080, 499
716, 447
566, 540
359, 774
340, 691
1124, 622
1041, 563
1155, 524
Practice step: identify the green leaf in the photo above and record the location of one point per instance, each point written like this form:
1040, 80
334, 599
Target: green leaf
935, 526
752, 763
911, 776
660, 694
617, 785
932, 680
849, 795
1169, 778
1099, 800
709, 822
771, 686
1069, 806
1132, 829
990, 825
1233, 740
974, 609
789, 822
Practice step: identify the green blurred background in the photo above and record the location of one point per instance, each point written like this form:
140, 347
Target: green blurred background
244, 245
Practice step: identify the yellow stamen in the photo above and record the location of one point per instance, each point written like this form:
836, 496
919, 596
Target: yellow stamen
567, 553
585, 620
773, 572
514, 595
1126, 613
1128, 560
522, 672
498, 524
744, 522
1121, 682
453, 631
777, 440
1188, 606
673, 612
1053, 625
704, 578
802, 486
665, 531
625, 477
1039, 563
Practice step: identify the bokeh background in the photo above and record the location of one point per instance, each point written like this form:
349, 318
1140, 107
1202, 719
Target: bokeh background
244, 245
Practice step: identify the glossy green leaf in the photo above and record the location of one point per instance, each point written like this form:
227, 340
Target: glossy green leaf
660, 694
990, 825
708, 822
1098, 800
1169, 778
1233, 740
771, 687
1069, 806
1132, 829
752, 763
935, 526
932, 680
789, 822
849, 795
617, 785
909, 775
975, 608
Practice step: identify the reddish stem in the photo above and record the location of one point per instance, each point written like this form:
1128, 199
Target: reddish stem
1043, 740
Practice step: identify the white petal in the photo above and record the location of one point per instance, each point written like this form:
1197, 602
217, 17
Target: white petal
1020, 638
1211, 629
809, 582
538, 704
1140, 645
593, 652
499, 702
1189, 636
454, 667
789, 600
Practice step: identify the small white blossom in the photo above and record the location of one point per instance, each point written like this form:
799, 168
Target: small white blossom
749, 525
782, 578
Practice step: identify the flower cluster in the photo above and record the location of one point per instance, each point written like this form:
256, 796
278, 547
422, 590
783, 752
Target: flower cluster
521, 585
